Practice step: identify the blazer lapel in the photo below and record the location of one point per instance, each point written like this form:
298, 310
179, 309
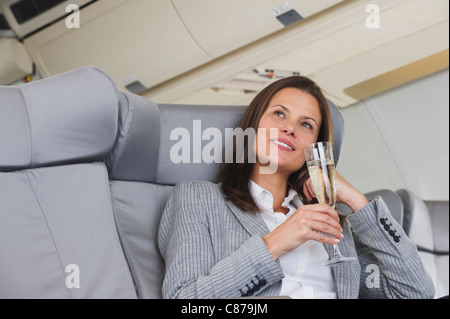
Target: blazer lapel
253, 223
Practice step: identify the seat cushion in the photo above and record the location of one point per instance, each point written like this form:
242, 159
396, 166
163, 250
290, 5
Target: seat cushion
137, 210
58, 238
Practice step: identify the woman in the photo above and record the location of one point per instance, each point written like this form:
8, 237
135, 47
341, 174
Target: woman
259, 234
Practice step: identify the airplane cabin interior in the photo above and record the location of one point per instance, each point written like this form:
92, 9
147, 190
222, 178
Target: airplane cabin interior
91, 93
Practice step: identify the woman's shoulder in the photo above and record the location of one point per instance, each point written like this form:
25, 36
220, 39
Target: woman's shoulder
198, 189
191, 200
196, 185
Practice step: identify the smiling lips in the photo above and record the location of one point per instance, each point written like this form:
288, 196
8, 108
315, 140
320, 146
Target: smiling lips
284, 144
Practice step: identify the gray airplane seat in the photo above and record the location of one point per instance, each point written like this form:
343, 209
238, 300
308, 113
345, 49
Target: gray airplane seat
426, 224
393, 202
85, 173
160, 145
155, 150
58, 238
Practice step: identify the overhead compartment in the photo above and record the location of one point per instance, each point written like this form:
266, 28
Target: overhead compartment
338, 48
200, 50
352, 62
155, 41
220, 27
137, 44
411, 57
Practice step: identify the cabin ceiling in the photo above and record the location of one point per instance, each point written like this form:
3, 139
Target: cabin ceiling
223, 52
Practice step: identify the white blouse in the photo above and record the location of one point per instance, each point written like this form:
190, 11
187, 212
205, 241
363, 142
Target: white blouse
305, 276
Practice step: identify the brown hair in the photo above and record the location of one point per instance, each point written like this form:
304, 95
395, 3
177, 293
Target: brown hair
235, 176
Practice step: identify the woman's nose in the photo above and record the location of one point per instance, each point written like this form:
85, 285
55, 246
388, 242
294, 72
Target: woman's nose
288, 130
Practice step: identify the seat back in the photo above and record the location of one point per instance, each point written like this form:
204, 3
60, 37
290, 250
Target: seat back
439, 214
393, 202
418, 227
57, 233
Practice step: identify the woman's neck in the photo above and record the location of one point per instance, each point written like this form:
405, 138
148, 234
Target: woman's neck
276, 184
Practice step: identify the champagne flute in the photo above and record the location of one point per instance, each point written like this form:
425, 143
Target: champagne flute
320, 162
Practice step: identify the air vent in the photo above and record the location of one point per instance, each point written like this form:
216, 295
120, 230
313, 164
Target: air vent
26, 10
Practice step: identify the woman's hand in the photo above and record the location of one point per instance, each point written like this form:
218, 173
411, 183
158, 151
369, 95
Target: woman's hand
305, 224
345, 193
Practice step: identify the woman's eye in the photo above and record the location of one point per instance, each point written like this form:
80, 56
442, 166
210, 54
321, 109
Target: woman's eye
307, 125
279, 114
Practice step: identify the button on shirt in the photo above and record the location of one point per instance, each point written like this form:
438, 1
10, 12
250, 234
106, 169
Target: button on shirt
305, 276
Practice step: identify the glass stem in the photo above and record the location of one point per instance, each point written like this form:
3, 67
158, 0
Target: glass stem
336, 250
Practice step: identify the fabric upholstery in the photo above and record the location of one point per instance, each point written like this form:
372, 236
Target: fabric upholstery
135, 155
392, 200
418, 227
58, 237
53, 218
137, 209
417, 223
439, 214
68, 118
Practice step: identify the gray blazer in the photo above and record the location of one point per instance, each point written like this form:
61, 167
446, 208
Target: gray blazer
212, 249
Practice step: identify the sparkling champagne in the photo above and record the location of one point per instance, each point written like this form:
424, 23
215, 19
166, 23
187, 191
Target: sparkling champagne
323, 177
319, 157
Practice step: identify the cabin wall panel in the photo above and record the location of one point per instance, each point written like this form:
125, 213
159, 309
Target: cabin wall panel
400, 139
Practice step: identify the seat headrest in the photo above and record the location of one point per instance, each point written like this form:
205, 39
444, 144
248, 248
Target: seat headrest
417, 222
152, 135
393, 202
68, 118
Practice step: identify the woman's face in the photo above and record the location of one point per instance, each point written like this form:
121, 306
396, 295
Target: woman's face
293, 119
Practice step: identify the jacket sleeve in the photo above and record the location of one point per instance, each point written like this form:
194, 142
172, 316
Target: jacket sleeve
193, 269
390, 264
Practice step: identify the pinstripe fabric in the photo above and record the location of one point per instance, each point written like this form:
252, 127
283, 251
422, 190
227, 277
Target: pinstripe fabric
214, 250
402, 274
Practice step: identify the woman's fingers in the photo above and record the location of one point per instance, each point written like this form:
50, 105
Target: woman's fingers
308, 190
319, 211
317, 222
320, 218
325, 239
324, 229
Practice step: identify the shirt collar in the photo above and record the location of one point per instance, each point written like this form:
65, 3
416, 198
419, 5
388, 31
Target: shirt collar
292, 195
264, 198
